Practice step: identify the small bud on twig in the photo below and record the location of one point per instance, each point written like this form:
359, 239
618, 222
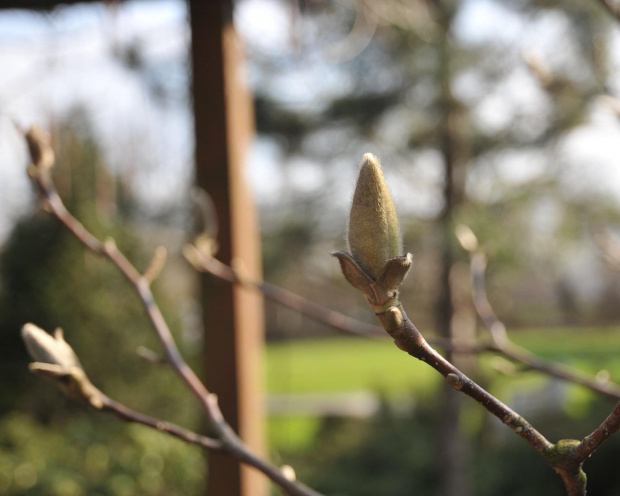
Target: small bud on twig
288, 472
157, 264
45, 348
109, 245
56, 360
455, 381
40, 149
205, 223
206, 244
193, 256
150, 356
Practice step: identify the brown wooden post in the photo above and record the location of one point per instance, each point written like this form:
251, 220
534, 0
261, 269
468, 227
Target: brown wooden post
233, 318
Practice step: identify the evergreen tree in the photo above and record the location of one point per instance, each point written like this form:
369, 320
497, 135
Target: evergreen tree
49, 279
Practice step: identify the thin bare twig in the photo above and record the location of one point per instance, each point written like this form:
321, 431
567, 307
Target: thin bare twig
382, 296
500, 340
222, 437
129, 415
590, 443
410, 340
378, 272
206, 263
567, 457
501, 345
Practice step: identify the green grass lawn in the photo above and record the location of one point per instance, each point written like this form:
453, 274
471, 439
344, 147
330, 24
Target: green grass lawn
347, 364
344, 364
351, 364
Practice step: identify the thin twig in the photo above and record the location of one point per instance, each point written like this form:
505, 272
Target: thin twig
109, 250
222, 437
236, 449
383, 298
210, 265
129, 415
502, 343
410, 340
566, 459
370, 230
590, 443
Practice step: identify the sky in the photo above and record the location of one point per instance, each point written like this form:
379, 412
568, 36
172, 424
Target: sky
53, 62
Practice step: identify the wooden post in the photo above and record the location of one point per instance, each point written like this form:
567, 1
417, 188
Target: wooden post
233, 318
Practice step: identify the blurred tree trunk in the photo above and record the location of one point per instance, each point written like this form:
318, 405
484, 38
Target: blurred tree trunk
451, 455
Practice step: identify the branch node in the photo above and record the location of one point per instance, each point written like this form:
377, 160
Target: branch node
603, 376
288, 472
392, 320
109, 245
156, 266
193, 256
240, 270
46, 205
455, 381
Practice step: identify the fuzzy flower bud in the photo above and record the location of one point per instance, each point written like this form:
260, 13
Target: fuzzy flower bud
374, 234
45, 348
56, 360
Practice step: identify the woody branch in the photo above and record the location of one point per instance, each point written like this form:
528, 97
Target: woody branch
376, 267
201, 255
55, 359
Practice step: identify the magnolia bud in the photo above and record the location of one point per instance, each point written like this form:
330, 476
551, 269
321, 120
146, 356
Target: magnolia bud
374, 234
56, 360
45, 348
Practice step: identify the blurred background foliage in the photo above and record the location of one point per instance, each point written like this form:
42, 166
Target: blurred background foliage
49, 445
467, 133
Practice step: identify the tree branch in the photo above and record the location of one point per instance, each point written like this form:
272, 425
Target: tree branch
222, 437
566, 456
236, 449
590, 443
500, 340
127, 414
206, 263
203, 261
407, 337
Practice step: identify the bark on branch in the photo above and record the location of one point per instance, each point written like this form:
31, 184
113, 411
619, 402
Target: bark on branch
201, 257
566, 456
221, 437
